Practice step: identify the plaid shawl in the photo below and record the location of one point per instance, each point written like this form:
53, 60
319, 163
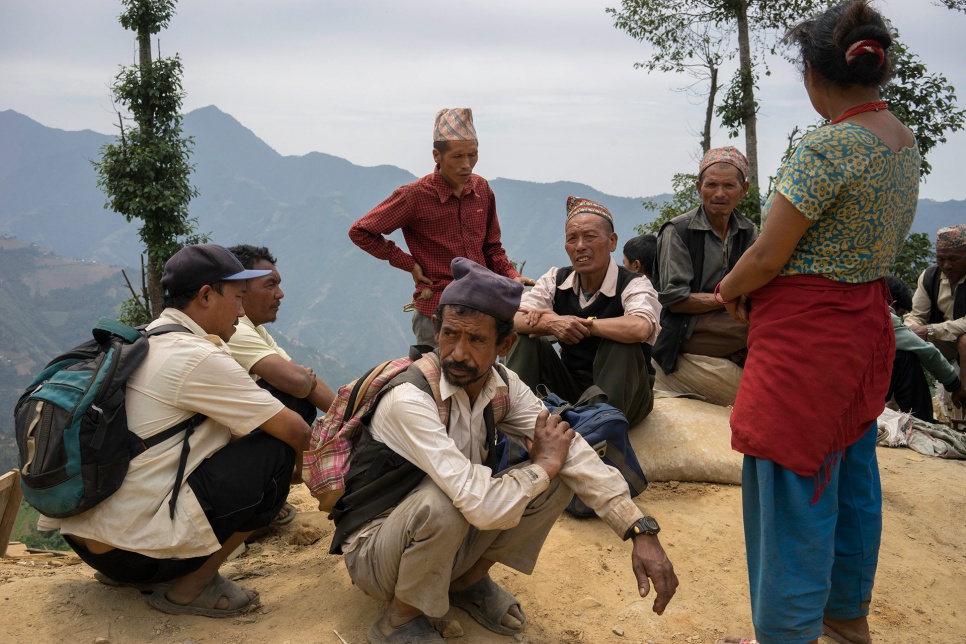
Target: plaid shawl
326, 462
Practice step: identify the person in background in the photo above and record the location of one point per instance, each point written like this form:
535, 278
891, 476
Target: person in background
640, 254
701, 349
449, 213
938, 312
908, 386
821, 342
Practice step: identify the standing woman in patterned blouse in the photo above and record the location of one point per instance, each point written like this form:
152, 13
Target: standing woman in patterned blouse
821, 343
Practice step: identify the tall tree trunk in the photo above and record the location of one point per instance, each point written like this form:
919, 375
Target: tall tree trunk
749, 118
147, 127
709, 113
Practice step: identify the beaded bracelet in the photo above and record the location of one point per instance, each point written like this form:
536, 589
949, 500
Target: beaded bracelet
717, 296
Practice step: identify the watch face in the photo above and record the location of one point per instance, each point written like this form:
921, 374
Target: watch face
651, 524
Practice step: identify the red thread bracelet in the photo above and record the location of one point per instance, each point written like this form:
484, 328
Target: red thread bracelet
718, 298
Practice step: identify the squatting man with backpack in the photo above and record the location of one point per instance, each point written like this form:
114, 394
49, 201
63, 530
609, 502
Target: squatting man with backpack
424, 536
174, 521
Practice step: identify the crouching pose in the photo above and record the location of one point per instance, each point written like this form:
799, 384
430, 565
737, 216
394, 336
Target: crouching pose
425, 515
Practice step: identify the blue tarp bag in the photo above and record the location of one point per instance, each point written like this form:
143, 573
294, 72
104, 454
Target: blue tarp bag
603, 426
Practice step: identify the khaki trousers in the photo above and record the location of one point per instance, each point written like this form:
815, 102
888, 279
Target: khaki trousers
425, 543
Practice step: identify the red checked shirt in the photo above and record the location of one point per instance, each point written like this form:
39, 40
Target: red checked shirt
437, 227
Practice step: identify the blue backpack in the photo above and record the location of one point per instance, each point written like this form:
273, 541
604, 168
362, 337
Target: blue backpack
71, 424
604, 427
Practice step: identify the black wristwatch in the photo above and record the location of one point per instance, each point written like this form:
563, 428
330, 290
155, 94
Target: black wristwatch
645, 525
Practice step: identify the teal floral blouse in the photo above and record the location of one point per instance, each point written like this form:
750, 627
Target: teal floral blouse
861, 195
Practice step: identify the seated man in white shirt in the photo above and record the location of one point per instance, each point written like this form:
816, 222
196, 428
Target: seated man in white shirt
256, 350
423, 531
159, 533
601, 313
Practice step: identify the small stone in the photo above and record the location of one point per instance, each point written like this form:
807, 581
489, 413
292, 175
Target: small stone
305, 535
101, 640
576, 613
617, 630
449, 628
265, 610
587, 602
518, 637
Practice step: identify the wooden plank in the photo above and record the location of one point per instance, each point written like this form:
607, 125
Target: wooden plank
10, 497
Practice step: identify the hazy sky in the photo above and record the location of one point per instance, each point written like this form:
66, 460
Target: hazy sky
551, 82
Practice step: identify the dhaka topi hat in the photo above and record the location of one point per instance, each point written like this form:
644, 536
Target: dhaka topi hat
454, 124
194, 266
951, 237
577, 206
480, 288
730, 155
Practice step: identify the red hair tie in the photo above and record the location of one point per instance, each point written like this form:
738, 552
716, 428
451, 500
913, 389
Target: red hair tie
865, 47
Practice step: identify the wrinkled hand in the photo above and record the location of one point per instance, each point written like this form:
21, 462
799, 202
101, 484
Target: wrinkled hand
739, 309
526, 281
533, 316
551, 442
921, 330
959, 396
648, 559
418, 277
569, 329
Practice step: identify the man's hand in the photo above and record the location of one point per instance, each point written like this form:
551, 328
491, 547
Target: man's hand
526, 281
739, 309
551, 442
921, 330
648, 559
418, 277
569, 329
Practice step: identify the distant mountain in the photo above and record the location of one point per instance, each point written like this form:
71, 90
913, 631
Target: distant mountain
339, 300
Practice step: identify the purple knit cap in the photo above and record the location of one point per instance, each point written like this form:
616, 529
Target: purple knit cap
480, 288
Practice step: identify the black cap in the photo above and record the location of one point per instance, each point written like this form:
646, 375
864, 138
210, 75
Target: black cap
480, 288
194, 266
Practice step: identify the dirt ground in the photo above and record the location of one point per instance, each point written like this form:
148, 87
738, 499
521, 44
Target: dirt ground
582, 590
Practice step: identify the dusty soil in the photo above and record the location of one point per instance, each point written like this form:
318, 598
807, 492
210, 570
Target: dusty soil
581, 591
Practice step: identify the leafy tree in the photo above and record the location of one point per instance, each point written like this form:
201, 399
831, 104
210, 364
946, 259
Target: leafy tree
915, 256
677, 30
958, 5
925, 102
145, 173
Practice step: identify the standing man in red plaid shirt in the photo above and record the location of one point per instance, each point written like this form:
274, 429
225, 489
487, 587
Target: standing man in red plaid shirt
449, 213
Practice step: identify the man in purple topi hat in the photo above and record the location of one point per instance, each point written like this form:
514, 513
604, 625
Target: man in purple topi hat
426, 513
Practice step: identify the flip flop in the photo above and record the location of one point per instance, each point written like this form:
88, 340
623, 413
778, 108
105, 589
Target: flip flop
487, 603
418, 631
736, 640
204, 605
290, 513
143, 587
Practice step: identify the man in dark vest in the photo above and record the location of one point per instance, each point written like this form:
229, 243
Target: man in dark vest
701, 348
424, 517
939, 305
600, 312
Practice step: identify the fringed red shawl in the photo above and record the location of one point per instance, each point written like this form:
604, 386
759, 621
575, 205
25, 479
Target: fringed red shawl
819, 361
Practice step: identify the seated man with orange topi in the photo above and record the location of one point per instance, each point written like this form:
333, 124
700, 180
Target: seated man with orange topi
601, 313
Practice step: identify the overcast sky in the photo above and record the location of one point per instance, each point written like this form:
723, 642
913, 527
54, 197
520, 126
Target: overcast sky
552, 83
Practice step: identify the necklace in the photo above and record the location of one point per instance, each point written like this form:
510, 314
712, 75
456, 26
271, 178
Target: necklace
874, 106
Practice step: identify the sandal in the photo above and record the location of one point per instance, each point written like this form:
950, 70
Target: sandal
487, 603
290, 513
143, 587
204, 604
418, 631
736, 640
